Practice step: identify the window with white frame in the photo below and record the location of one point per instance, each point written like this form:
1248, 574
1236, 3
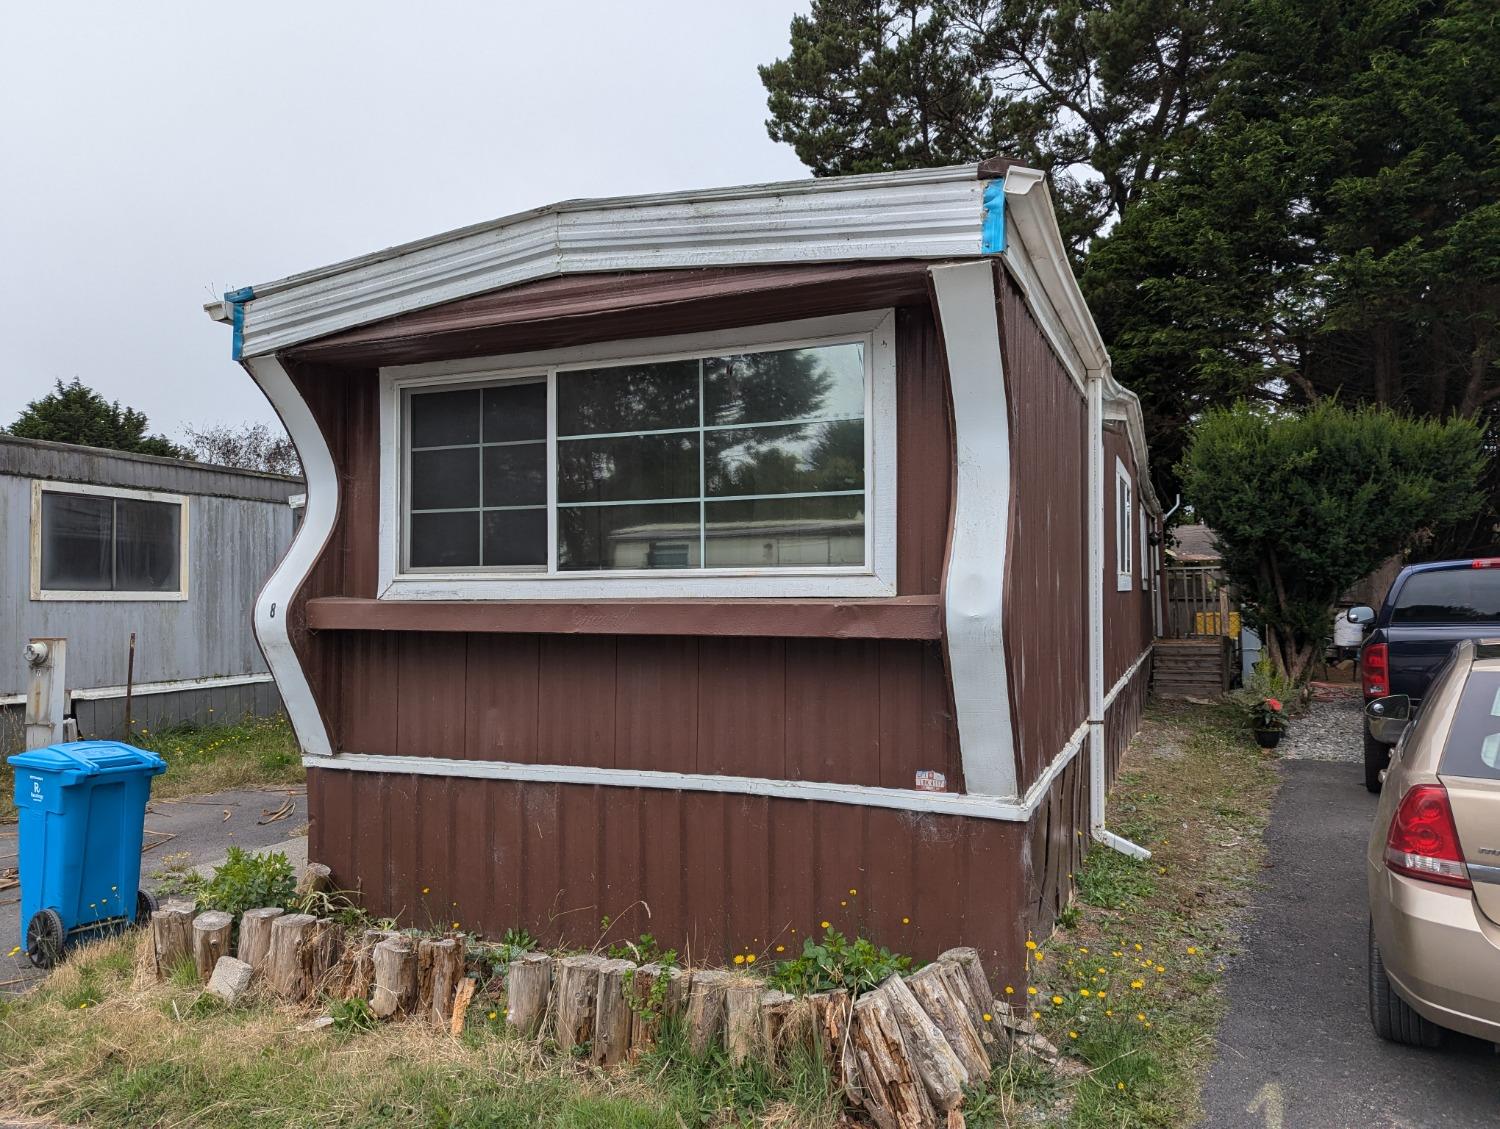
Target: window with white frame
747, 460
107, 543
1124, 529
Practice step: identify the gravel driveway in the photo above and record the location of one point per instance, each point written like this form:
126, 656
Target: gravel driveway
1329, 731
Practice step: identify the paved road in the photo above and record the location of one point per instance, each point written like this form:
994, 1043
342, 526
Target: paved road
1297, 1041
195, 828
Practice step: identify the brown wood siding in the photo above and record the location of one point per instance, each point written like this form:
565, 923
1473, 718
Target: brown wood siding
835, 710
1123, 719
1058, 839
711, 875
1127, 615
1046, 596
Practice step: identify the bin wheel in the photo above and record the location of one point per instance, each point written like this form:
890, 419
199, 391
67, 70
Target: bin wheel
145, 906
44, 938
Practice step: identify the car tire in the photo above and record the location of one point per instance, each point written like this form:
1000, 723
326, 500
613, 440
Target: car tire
1377, 759
1392, 1017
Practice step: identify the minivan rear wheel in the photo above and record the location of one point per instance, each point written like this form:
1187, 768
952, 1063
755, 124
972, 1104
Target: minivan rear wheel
1377, 758
1393, 1018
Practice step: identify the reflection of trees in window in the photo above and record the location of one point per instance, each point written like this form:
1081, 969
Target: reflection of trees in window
760, 387
801, 458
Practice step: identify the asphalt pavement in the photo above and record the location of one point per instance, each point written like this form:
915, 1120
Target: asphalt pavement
1296, 1050
195, 832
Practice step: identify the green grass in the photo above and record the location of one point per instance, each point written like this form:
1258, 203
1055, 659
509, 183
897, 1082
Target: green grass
89, 1048
1152, 936
251, 753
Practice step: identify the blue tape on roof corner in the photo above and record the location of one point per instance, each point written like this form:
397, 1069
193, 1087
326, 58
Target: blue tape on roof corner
237, 300
992, 231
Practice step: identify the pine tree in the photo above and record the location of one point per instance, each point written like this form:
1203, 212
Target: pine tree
75, 413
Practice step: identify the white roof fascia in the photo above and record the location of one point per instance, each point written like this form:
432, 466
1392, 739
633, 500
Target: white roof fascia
923, 214
1038, 259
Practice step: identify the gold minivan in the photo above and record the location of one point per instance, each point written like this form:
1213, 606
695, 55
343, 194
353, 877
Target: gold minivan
1434, 857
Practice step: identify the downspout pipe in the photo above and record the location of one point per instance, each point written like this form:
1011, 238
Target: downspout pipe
1097, 768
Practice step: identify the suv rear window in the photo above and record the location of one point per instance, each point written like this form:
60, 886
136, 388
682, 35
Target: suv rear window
1451, 596
1473, 748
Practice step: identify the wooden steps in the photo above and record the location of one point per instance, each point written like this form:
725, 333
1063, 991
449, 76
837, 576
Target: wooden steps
1198, 667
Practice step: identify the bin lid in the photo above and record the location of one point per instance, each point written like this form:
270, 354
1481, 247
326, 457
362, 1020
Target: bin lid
88, 758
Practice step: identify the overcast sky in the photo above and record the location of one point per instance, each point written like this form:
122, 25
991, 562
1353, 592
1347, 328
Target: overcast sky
154, 155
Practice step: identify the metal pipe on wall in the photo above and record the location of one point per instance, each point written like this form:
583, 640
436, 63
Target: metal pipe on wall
1098, 773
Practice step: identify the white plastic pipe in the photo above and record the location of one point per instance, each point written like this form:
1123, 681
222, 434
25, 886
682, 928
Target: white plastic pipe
1097, 769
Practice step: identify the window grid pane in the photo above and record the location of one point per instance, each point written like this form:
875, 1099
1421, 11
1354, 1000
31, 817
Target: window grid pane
810, 445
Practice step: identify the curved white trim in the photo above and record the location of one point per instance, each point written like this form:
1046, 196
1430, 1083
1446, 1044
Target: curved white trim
317, 526
1109, 699
974, 583
862, 795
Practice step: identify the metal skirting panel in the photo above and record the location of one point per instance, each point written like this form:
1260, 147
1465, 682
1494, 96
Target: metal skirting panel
215, 705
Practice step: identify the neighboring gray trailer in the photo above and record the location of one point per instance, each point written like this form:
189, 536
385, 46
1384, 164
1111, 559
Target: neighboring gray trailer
96, 544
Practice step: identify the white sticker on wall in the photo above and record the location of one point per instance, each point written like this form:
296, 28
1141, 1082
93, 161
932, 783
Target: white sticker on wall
930, 780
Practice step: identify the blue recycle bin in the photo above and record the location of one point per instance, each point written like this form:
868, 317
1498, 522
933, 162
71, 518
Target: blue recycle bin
82, 813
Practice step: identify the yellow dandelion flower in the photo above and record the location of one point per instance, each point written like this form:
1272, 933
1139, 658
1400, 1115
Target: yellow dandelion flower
1057, 999
1040, 957
1072, 1034
750, 958
1119, 1085
1101, 972
781, 948
988, 1017
1036, 1015
1148, 1025
1108, 1013
1192, 950
426, 890
1117, 953
1083, 950
824, 924
1138, 984
843, 903
1084, 992
455, 925
1137, 948
1159, 970
739, 958
1031, 991
1141, 1016
1009, 991
1031, 945
491, 1016
852, 891
1102, 993
83, 1005
906, 921
14, 951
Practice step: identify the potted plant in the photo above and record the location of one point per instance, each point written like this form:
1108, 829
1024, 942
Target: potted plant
1268, 721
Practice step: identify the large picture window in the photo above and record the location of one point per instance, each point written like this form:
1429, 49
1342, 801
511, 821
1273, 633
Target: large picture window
106, 543
725, 461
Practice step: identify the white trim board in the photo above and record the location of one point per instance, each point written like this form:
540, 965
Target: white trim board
142, 689
900, 799
974, 583
1115, 690
877, 578
923, 214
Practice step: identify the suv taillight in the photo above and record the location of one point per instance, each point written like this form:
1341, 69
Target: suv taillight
1423, 841
1375, 670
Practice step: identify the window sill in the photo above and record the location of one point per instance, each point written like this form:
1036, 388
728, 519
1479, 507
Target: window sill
897, 617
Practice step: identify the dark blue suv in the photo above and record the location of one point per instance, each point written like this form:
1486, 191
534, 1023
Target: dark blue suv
1429, 609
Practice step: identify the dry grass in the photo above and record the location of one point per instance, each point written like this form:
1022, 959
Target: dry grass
93, 1046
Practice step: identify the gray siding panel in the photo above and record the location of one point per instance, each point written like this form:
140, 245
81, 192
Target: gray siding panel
234, 545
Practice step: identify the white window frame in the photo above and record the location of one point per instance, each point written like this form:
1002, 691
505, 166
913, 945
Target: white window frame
1145, 551
876, 577
1124, 528
43, 486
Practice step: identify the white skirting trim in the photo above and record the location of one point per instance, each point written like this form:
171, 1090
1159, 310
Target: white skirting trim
1125, 678
141, 689
900, 799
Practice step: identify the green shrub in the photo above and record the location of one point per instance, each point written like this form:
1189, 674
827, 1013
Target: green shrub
837, 962
245, 881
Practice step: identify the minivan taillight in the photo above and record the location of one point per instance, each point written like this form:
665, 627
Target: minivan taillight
1423, 841
1375, 670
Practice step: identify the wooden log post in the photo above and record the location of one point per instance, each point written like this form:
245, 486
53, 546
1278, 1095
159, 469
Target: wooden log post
462, 998
172, 938
742, 1024
303, 949
941, 1071
316, 879
528, 984
353, 974
440, 966
650, 1005
784, 1021
889, 1089
973, 969
211, 930
255, 934
705, 1012
612, 1013
577, 997
942, 992
962, 981
394, 965
829, 1015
